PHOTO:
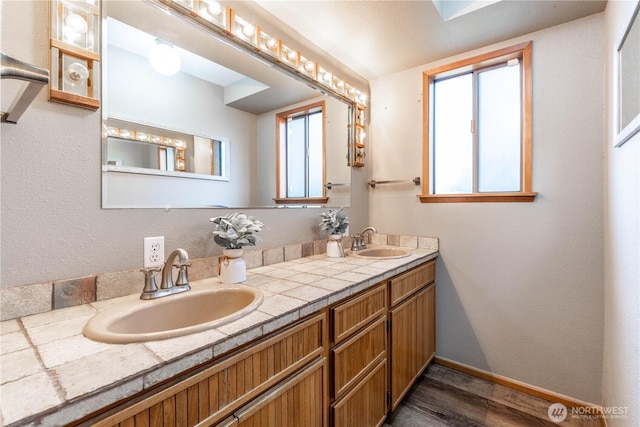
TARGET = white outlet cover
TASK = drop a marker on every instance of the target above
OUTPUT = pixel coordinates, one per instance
(153, 251)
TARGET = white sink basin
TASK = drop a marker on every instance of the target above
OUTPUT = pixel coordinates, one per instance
(207, 305)
(380, 252)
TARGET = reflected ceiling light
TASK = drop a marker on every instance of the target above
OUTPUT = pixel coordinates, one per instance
(164, 58)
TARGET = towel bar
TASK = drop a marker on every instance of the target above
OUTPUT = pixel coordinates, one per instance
(35, 77)
(415, 181)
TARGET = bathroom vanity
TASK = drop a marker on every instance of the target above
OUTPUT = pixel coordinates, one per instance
(342, 357)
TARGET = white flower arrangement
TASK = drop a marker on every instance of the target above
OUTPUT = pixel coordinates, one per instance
(334, 221)
(236, 230)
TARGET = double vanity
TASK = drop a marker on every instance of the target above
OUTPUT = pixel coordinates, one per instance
(309, 341)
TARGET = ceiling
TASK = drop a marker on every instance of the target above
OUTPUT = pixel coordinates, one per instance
(377, 38)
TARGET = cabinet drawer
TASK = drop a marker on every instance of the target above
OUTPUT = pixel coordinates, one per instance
(352, 315)
(407, 283)
(209, 396)
(353, 358)
(365, 405)
(296, 402)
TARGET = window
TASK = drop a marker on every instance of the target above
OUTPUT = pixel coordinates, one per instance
(300, 162)
(477, 120)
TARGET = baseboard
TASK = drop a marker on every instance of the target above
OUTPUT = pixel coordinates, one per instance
(567, 401)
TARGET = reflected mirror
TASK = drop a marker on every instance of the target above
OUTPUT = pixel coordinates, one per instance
(204, 134)
(144, 149)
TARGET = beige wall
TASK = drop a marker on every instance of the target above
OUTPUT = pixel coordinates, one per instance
(52, 225)
(520, 285)
(621, 368)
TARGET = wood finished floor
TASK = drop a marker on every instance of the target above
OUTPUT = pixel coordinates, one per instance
(446, 397)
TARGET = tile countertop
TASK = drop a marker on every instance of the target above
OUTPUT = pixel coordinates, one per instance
(51, 374)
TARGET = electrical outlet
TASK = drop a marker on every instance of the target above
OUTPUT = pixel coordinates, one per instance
(154, 251)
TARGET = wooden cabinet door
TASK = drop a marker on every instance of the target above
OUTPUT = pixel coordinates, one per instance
(366, 404)
(402, 348)
(298, 401)
(426, 327)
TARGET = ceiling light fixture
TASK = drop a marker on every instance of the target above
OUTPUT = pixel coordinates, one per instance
(164, 58)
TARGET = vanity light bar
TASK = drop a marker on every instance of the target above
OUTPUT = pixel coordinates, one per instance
(136, 135)
(225, 22)
(74, 44)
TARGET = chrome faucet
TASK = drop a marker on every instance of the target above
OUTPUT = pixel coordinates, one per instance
(167, 287)
(357, 241)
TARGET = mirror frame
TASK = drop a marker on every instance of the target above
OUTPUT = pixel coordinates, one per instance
(623, 134)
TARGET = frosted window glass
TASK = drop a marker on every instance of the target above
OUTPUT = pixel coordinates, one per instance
(499, 129)
(453, 142)
(296, 157)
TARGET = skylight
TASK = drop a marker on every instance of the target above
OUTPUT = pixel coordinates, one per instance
(450, 9)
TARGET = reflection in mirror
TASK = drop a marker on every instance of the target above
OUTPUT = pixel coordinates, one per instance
(136, 148)
(221, 94)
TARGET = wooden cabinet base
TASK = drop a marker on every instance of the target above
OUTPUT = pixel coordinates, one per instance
(346, 365)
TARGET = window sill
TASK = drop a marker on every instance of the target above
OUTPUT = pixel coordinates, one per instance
(478, 197)
(302, 201)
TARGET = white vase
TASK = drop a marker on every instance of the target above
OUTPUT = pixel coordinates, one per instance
(334, 246)
(233, 268)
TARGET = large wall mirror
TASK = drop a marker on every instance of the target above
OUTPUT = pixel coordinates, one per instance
(205, 135)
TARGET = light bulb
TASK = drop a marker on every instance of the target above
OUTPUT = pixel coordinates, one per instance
(75, 23)
(248, 30)
(164, 58)
(272, 43)
(292, 55)
(309, 66)
(76, 74)
(214, 8)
